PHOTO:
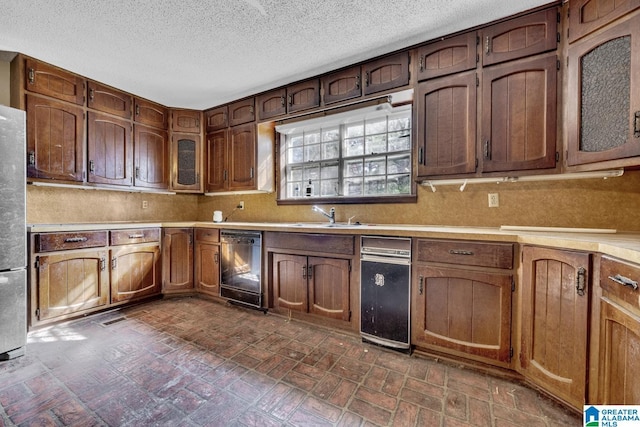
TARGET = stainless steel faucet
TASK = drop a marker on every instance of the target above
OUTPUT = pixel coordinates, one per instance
(331, 215)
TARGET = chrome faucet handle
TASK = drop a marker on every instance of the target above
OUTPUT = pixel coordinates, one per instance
(350, 218)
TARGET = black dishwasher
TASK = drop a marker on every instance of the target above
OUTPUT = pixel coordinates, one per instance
(385, 281)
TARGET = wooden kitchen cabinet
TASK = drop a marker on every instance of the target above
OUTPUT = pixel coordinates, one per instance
(446, 127)
(555, 299)
(290, 288)
(55, 139)
(136, 264)
(519, 115)
(619, 334)
(342, 85)
(216, 166)
(186, 162)
(177, 260)
(520, 37)
(207, 261)
(448, 56)
(586, 16)
(186, 121)
(109, 100)
(52, 81)
(242, 112)
(462, 299)
(150, 157)
(303, 96)
(603, 102)
(216, 118)
(389, 72)
(151, 114)
(109, 150)
(272, 104)
(231, 159)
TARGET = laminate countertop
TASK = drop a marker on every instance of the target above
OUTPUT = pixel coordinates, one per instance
(623, 245)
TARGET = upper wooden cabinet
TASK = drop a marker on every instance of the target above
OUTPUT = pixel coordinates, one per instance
(242, 112)
(106, 99)
(603, 102)
(216, 118)
(448, 56)
(48, 80)
(186, 161)
(55, 139)
(216, 157)
(242, 157)
(151, 114)
(520, 37)
(586, 16)
(151, 157)
(186, 121)
(342, 85)
(272, 104)
(386, 73)
(109, 150)
(519, 115)
(304, 95)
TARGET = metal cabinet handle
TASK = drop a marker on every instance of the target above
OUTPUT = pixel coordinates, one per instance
(421, 156)
(31, 76)
(137, 110)
(366, 79)
(421, 63)
(290, 100)
(487, 45)
(137, 172)
(216, 258)
(251, 173)
(636, 124)
(224, 175)
(103, 263)
(310, 271)
(92, 166)
(460, 252)
(581, 281)
(357, 82)
(114, 263)
(283, 101)
(624, 281)
(421, 285)
(91, 95)
(75, 239)
(304, 271)
(487, 149)
(32, 158)
(136, 236)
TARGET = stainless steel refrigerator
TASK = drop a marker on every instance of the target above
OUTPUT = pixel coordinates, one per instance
(13, 234)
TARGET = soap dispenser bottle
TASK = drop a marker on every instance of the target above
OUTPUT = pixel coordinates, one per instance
(308, 189)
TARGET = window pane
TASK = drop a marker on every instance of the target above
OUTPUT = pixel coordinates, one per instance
(376, 144)
(296, 155)
(353, 187)
(376, 126)
(311, 173)
(400, 141)
(330, 150)
(375, 166)
(312, 153)
(353, 168)
(329, 187)
(295, 174)
(399, 184)
(399, 123)
(331, 134)
(330, 171)
(399, 164)
(373, 186)
(311, 138)
(353, 147)
(294, 141)
(355, 130)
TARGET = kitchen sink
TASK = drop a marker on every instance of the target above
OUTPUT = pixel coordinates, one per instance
(323, 224)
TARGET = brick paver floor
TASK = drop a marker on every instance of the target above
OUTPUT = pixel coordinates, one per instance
(193, 362)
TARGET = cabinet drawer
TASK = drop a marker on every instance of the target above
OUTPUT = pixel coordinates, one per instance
(482, 254)
(211, 235)
(135, 235)
(326, 243)
(621, 280)
(49, 242)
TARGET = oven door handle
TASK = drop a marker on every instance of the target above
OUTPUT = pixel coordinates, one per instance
(385, 260)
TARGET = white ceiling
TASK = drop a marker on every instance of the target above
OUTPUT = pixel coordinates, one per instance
(202, 53)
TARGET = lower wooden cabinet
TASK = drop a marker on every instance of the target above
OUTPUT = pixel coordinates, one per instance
(70, 282)
(135, 272)
(315, 285)
(177, 256)
(555, 321)
(207, 261)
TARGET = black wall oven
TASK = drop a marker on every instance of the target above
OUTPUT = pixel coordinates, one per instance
(241, 266)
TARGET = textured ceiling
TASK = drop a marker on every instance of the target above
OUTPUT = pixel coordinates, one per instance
(202, 53)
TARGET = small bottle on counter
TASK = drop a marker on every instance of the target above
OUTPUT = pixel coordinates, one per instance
(309, 189)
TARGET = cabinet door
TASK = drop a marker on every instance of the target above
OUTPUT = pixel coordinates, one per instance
(151, 157)
(303, 96)
(108, 100)
(329, 287)
(586, 16)
(290, 282)
(520, 37)
(135, 272)
(151, 114)
(186, 121)
(186, 158)
(216, 172)
(619, 348)
(448, 56)
(519, 115)
(177, 259)
(341, 85)
(55, 135)
(603, 102)
(386, 73)
(109, 150)
(48, 80)
(555, 314)
(217, 118)
(446, 130)
(463, 310)
(242, 112)
(272, 104)
(242, 157)
(207, 268)
(71, 282)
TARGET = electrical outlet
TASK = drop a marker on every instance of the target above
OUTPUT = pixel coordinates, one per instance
(241, 205)
(494, 200)
(145, 204)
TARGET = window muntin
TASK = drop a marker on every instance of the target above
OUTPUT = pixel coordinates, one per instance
(365, 153)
